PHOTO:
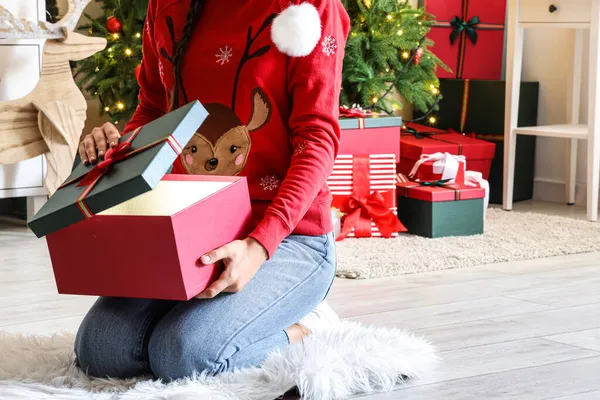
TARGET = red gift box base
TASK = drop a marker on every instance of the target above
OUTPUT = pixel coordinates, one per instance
(151, 256)
(479, 153)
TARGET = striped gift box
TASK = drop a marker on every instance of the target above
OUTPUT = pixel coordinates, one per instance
(382, 179)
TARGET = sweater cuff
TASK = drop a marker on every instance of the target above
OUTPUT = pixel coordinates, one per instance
(270, 232)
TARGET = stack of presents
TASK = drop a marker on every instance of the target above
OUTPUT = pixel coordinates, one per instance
(438, 178)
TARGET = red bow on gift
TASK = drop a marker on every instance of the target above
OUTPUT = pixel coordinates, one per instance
(361, 211)
(354, 112)
(113, 155)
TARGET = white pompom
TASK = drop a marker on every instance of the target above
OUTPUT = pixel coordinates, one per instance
(297, 30)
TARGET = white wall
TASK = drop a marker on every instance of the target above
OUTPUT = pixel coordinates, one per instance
(548, 58)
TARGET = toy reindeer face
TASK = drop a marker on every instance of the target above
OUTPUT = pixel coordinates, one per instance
(222, 144)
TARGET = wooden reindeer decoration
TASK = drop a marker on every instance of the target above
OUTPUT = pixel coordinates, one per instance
(50, 119)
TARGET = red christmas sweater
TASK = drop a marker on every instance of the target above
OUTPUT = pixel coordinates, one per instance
(270, 78)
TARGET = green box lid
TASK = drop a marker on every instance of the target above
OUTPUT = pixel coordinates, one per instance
(126, 179)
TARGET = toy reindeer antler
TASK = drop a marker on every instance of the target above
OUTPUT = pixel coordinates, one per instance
(12, 27)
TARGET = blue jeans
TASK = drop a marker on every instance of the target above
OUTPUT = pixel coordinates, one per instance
(121, 337)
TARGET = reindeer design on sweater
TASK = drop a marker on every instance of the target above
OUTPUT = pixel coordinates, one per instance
(222, 144)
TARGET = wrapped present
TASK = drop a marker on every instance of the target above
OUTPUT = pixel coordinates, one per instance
(364, 132)
(418, 140)
(437, 208)
(336, 218)
(468, 37)
(363, 188)
(477, 109)
(439, 166)
(123, 228)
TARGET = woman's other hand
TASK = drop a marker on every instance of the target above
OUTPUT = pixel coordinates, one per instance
(95, 145)
(242, 259)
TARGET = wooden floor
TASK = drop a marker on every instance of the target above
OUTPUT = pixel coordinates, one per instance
(524, 330)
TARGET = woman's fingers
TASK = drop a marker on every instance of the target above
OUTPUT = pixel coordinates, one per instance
(96, 144)
(90, 149)
(83, 153)
(217, 287)
(216, 255)
(112, 134)
(100, 139)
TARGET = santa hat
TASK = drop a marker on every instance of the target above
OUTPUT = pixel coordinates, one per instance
(296, 31)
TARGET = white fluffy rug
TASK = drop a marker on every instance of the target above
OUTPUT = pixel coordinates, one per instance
(347, 360)
(509, 236)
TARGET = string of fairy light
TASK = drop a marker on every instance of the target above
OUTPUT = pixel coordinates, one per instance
(127, 52)
(408, 57)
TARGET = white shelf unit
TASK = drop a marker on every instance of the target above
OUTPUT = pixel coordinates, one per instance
(556, 14)
(20, 68)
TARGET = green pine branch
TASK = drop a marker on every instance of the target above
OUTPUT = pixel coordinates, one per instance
(110, 75)
(379, 56)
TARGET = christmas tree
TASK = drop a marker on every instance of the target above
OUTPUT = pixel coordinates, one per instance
(110, 75)
(51, 11)
(387, 52)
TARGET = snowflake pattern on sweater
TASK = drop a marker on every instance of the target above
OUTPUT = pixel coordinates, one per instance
(329, 45)
(269, 183)
(224, 55)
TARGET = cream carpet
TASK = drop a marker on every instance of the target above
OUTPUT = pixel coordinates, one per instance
(345, 360)
(509, 236)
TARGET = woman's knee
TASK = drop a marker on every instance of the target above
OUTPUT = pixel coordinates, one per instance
(176, 354)
(106, 348)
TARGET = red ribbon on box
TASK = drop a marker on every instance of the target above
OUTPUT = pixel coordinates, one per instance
(113, 156)
(466, 21)
(356, 112)
(362, 206)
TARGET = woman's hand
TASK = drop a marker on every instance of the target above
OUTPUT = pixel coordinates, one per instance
(94, 145)
(242, 259)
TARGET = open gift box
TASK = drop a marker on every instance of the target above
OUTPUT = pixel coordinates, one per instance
(123, 228)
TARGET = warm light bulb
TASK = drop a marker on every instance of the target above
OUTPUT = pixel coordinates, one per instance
(107, 109)
(128, 52)
(375, 99)
(389, 17)
(138, 35)
(432, 86)
(120, 106)
(420, 23)
(97, 69)
(95, 93)
(400, 32)
(435, 91)
(110, 49)
(116, 122)
(432, 120)
(387, 70)
(115, 36)
(405, 54)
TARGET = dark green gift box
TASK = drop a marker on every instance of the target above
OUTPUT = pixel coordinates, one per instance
(154, 148)
(438, 211)
(477, 107)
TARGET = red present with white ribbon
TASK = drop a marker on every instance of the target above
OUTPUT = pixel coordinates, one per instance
(439, 166)
(364, 190)
(475, 179)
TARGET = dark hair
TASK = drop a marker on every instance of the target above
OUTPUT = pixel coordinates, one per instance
(193, 16)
